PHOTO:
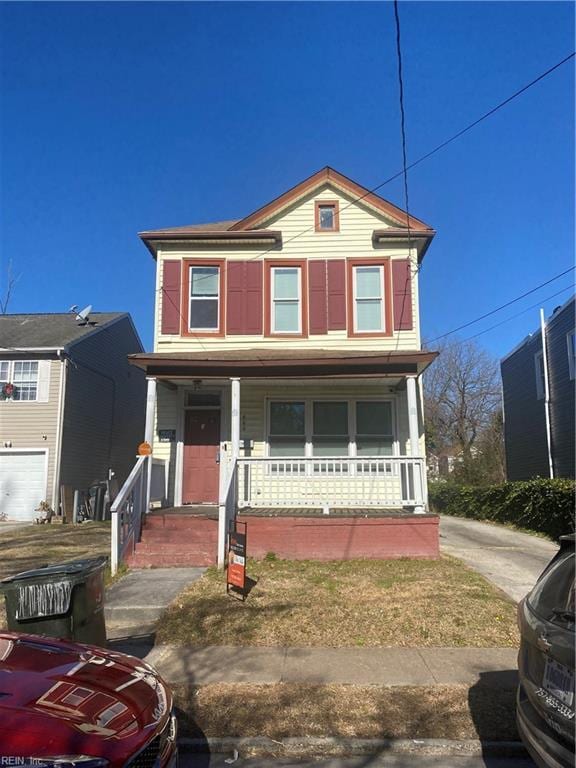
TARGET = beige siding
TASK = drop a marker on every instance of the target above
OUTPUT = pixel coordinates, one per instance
(33, 424)
(253, 415)
(300, 241)
(105, 407)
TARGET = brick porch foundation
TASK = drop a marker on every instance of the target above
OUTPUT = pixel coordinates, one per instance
(343, 538)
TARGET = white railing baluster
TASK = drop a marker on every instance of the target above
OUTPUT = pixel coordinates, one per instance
(128, 511)
(311, 481)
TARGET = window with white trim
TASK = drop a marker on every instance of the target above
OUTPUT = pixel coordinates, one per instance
(286, 300)
(204, 309)
(23, 374)
(374, 431)
(330, 431)
(539, 372)
(287, 429)
(331, 428)
(571, 344)
(368, 298)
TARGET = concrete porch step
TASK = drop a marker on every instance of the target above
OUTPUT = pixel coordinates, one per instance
(187, 536)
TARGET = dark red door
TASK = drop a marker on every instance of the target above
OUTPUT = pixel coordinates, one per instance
(201, 449)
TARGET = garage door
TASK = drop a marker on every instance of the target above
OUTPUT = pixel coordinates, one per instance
(22, 483)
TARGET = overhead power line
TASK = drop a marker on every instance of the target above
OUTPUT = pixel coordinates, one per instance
(433, 151)
(503, 306)
(522, 312)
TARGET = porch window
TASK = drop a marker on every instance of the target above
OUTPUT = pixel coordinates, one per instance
(368, 299)
(286, 300)
(204, 298)
(374, 429)
(330, 429)
(287, 429)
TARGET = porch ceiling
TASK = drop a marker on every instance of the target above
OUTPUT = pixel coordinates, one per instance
(267, 363)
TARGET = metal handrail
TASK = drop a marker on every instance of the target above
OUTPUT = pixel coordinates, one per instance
(127, 512)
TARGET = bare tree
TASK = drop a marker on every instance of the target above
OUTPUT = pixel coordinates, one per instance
(462, 394)
(11, 280)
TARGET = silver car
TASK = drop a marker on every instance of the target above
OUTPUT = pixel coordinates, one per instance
(545, 703)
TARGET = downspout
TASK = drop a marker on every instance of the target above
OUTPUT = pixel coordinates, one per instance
(546, 392)
(59, 430)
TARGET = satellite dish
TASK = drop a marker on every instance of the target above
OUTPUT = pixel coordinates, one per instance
(83, 316)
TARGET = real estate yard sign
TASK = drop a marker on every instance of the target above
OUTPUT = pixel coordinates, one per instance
(236, 566)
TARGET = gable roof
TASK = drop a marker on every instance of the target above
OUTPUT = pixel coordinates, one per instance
(337, 180)
(250, 228)
(49, 331)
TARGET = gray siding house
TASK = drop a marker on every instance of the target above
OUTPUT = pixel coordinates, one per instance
(538, 399)
(71, 407)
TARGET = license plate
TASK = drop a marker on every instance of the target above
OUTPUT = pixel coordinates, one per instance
(559, 681)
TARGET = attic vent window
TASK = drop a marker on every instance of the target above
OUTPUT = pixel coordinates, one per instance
(326, 216)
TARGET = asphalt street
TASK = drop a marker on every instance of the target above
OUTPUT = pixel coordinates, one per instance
(509, 559)
(379, 761)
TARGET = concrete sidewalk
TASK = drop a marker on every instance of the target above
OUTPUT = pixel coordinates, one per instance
(135, 602)
(493, 667)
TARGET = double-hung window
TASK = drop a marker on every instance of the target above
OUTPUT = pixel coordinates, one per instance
(287, 433)
(374, 428)
(23, 374)
(330, 428)
(368, 301)
(204, 300)
(286, 300)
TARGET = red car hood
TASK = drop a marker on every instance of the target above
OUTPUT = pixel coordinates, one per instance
(57, 697)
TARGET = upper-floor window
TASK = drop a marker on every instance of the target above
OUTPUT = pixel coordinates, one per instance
(286, 294)
(539, 371)
(368, 287)
(571, 342)
(286, 299)
(326, 216)
(20, 377)
(204, 298)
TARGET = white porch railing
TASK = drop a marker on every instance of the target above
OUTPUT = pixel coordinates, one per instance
(364, 481)
(127, 512)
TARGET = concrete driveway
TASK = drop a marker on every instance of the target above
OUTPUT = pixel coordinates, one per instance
(509, 559)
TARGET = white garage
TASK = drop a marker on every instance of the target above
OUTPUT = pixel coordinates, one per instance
(23, 476)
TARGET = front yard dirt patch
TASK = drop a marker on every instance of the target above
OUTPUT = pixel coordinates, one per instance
(347, 711)
(386, 603)
(24, 549)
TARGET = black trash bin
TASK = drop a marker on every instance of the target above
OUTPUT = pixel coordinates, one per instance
(64, 600)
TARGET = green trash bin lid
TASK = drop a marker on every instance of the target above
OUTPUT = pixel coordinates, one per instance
(70, 568)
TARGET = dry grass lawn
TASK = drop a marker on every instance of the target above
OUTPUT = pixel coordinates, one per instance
(370, 712)
(408, 603)
(31, 547)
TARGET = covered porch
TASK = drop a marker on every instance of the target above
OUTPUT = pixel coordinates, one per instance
(316, 434)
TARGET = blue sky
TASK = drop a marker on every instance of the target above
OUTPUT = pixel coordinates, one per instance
(119, 117)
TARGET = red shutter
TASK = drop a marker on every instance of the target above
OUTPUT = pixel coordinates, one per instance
(337, 295)
(318, 305)
(170, 296)
(402, 292)
(254, 297)
(244, 298)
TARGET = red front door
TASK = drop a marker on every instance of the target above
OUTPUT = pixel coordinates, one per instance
(201, 448)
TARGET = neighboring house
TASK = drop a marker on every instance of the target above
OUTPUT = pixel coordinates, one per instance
(287, 362)
(71, 406)
(538, 394)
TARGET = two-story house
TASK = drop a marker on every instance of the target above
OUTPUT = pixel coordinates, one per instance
(72, 409)
(285, 377)
(538, 378)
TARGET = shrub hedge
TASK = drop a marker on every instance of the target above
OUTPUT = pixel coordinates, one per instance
(542, 505)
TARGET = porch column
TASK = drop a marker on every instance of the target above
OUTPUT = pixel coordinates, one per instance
(149, 433)
(227, 505)
(415, 442)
